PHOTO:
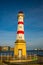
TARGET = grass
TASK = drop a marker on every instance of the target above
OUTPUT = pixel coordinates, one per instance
(34, 58)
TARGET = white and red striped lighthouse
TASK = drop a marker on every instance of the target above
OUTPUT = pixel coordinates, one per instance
(20, 29)
(20, 44)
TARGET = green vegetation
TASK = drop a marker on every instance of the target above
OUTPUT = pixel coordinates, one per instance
(34, 58)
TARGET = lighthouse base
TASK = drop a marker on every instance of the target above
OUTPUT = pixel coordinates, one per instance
(29, 60)
(20, 49)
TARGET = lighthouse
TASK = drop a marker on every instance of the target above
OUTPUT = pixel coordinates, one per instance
(20, 43)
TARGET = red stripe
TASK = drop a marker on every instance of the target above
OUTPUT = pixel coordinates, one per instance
(20, 22)
(20, 32)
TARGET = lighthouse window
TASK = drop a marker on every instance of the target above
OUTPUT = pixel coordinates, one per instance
(20, 18)
(20, 37)
(20, 26)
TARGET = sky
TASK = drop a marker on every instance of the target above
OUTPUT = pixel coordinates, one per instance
(33, 22)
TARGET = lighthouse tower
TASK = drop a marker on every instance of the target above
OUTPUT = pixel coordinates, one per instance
(20, 44)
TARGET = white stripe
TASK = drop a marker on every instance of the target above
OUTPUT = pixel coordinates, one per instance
(20, 37)
(20, 27)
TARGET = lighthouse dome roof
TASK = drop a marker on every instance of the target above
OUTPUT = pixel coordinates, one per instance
(20, 12)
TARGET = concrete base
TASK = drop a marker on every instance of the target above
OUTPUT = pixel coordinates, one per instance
(13, 62)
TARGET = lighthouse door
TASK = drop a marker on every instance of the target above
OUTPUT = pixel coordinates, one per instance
(20, 53)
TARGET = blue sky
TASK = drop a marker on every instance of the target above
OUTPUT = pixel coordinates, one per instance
(33, 21)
